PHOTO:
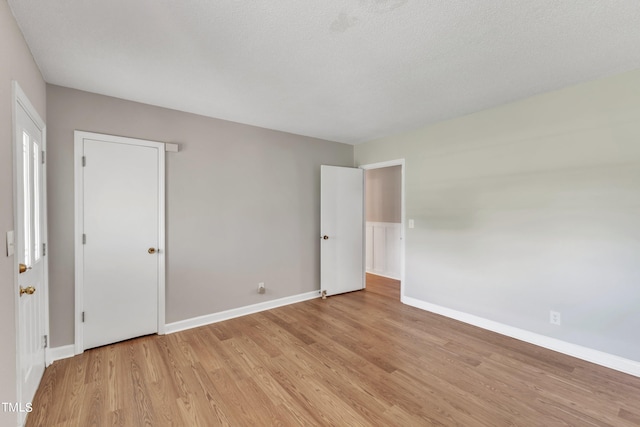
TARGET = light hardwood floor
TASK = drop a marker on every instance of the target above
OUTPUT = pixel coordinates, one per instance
(383, 286)
(361, 358)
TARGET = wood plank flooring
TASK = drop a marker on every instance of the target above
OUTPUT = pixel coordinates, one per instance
(383, 286)
(357, 359)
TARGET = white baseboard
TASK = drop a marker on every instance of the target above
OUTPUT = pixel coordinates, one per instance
(56, 353)
(618, 363)
(237, 312)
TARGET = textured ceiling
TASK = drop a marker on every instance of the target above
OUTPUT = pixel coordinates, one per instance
(342, 70)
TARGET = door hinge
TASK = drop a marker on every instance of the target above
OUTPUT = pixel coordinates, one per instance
(83, 317)
(43, 156)
(84, 239)
(84, 160)
(46, 341)
(44, 249)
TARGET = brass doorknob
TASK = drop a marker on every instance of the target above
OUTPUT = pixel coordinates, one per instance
(325, 237)
(152, 250)
(23, 268)
(28, 290)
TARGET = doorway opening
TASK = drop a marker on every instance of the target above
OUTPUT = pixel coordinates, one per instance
(384, 225)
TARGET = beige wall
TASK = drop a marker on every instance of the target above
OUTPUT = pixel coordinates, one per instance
(17, 64)
(530, 207)
(383, 194)
(242, 205)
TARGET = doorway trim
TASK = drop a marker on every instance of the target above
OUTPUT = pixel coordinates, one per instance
(386, 164)
(79, 137)
(20, 100)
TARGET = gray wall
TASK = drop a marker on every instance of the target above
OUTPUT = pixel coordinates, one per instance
(17, 64)
(242, 205)
(531, 207)
(383, 194)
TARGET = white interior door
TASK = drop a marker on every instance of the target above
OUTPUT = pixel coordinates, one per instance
(121, 244)
(30, 243)
(341, 228)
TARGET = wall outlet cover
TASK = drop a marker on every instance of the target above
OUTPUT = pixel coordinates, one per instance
(555, 318)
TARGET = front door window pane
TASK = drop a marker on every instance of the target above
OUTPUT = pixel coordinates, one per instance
(26, 208)
(37, 165)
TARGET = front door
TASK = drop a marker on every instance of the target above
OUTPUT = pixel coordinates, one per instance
(121, 246)
(341, 229)
(30, 249)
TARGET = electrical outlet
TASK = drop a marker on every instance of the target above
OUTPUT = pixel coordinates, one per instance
(555, 318)
(261, 288)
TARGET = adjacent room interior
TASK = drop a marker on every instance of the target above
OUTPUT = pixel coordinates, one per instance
(491, 277)
(383, 222)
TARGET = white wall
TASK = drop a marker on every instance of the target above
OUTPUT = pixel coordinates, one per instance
(531, 207)
(17, 64)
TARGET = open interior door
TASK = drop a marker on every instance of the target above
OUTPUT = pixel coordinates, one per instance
(341, 229)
